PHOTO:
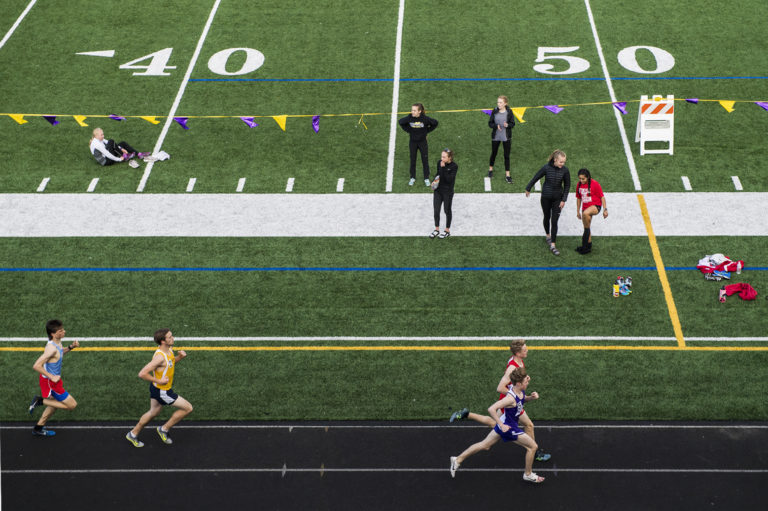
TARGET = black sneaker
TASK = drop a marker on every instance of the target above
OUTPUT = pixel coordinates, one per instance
(509, 179)
(460, 414)
(36, 401)
(542, 456)
(490, 173)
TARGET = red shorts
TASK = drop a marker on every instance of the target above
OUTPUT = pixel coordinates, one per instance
(50, 389)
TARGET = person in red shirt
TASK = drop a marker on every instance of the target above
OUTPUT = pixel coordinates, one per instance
(519, 350)
(589, 201)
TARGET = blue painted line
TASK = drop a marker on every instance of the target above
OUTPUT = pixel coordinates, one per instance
(353, 268)
(531, 79)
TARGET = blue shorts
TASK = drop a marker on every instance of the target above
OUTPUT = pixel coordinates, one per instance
(164, 397)
(511, 435)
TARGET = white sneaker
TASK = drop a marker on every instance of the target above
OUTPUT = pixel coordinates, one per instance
(454, 466)
(410, 183)
(426, 182)
(533, 478)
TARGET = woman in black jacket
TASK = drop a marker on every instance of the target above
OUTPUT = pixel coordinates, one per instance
(554, 193)
(443, 192)
(418, 125)
(501, 122)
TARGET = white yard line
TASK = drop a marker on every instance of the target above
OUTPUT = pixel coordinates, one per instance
(191, 184)
(395, 97)
(169, 120)
(43, 184)
(737, 183)
(340, 185)
(487, 184)
(686, 183)
(289, 184)
(617, 114)
(92, 186)
(17, 23)
(240, 184)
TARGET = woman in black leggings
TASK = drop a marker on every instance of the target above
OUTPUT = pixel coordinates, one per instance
(554, 193)
(443, 195)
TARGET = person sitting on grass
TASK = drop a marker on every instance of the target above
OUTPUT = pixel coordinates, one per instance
(107, 152)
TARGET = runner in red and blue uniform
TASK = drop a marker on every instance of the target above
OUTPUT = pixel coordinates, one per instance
(507, 427)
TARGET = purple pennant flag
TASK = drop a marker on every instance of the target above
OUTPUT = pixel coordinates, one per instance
(762, 104)
(116, 117)
(553, 108)
(621, 106)
(182, 122)
(488, 112)
(51, 119)
(692, 100)
(249, 121)
(316, 123)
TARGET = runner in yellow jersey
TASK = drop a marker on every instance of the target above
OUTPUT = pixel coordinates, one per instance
(159, 373)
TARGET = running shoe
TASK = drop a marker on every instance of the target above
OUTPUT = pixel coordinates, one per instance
(410, 183)
(164, 436)
(458, 415)
(426, 182)
(509, 179)
(490, 173)
(43, 432)
(444, 234)
(434, 234)
(36, 401)
(135, 441)
(533, 478)
(723, 274)
(454, 466)
(710, 276)
(542, 456)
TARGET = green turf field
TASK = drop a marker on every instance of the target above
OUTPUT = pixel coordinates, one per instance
(325, 59)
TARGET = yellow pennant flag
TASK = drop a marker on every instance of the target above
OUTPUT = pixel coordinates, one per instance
(728, 105)
(151, 119)
(18, 118)
(80, 119)
(519, 113)
(280, 120)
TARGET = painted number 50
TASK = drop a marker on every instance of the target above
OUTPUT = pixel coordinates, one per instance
(626, 57)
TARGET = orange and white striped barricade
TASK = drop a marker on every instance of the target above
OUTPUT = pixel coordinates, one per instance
(656, 123)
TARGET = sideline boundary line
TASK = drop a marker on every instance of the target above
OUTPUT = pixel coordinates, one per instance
(400, 348)
(179, 94)
(662, 273)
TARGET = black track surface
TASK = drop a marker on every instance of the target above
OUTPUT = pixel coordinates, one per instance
(371, 466)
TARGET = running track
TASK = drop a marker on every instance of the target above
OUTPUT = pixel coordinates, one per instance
(371, 466)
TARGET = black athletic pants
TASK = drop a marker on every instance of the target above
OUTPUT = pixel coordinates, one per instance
(115, 149)
(495, 151)
(444, 199)
(420, 145)
(551, 209)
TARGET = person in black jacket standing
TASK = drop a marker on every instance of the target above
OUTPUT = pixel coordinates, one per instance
(418, 125)
(501, 122)
(443, 192)
(554, 193)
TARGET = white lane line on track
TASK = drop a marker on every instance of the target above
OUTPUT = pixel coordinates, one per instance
(179, 94)
(380, 470)
(638, 425)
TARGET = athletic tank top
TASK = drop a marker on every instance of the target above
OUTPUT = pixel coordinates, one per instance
(165, 371)
(55, 367)
(511, 415)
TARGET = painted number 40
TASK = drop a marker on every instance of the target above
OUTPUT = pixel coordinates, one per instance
(156, 64)
(626, 57)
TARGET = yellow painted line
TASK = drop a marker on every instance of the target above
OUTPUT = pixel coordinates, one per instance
(662, 273)
(409, 348)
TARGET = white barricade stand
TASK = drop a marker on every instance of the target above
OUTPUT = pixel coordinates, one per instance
(656, 123)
